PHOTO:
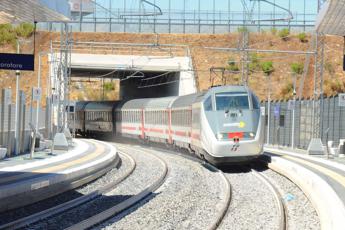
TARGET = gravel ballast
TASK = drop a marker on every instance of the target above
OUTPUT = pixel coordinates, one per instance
(191, 198)
(253, 205)
(147, 170)
(300, 212)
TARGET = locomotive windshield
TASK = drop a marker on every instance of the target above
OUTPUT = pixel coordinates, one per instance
(228, 101)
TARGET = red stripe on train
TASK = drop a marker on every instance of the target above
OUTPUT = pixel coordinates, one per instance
(128, 128)
(236, 135)
(180, 133)
(156, 130)
(196, 136)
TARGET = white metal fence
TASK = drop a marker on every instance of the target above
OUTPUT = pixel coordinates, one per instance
(332, 119)
(7, 127)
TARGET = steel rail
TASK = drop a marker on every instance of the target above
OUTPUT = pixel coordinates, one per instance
(20, 223)
(101, 217)
(277, 196)
(227, 183)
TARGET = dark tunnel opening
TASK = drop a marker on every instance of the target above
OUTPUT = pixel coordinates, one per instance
(136, 84)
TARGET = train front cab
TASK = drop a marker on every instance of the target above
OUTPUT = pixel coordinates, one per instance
(232, 125)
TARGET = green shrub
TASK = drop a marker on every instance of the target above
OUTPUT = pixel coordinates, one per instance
(7, 35)
(24, 30)
(267, 67)
(284, 34)
(297, 68)
(302, 37)
(6, 27)
(254, 62)
(108, 86)
(232, 65)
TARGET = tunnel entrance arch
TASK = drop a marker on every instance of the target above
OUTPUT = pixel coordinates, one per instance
(153, 70)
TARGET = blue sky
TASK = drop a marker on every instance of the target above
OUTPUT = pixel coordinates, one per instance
(310, 6)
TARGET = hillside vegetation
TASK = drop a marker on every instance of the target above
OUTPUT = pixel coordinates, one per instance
(280, 67)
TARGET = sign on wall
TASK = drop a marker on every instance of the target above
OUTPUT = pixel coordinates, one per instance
(276, 111)
(36, 94)
(342, 100)
(17, 61)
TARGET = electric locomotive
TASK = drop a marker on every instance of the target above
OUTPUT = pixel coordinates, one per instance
(221, 125)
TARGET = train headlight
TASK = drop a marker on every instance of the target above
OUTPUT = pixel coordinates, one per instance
(220, 136)
(252, 135)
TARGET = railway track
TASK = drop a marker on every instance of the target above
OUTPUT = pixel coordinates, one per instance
(101, 217)
(36, 217)
(184, 162)
(121, 196)
(249, 197)
(278, 199)
(255, 200)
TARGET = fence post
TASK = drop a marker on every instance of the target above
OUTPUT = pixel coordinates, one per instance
(48, 117)
(22, 135)
(20, 114)
(2, 122)
(9, 139)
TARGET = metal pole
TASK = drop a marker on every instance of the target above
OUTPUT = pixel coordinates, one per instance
(110, 15)
(94, 17)
(293, 114)
(125, 12)
(140, 17)
(214, 16)
(229, 18)
(38, 86)
(80, 15)
(304, 12)
(65, 76)
(2, 122)
(269, 109)
(184, 16)
(259, 15)
(289, 22)
(154, 17)
(16, 123)
(199, 17)
(9, 139)
(22, 139)
(274, 14)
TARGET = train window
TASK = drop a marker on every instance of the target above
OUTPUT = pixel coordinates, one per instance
(225, 101)
(208, 104)
(256, 104)
(281, 120)
(266, 119)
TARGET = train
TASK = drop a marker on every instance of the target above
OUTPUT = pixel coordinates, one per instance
(222, 125)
